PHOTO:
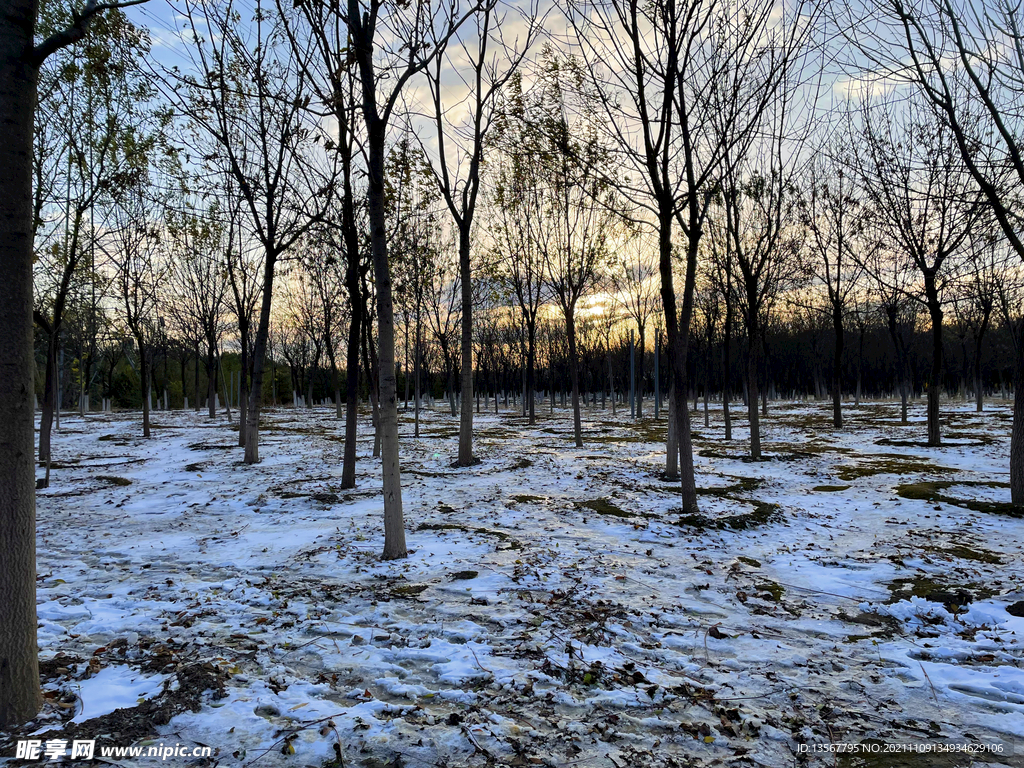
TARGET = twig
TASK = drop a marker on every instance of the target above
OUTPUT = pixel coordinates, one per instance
(485, 669)
(934, 696)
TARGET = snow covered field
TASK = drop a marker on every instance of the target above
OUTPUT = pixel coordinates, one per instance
(554, 610)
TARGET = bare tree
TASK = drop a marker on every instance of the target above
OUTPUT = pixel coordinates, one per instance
(760, 208)
(483, 60)
(831, 213)
(247, 99)
(95, 105)
(576, 216)
(316, 31)
(683, 81)
(925, 204)
(968, 61)
(135, 252)
(413, 33)
(518, 256)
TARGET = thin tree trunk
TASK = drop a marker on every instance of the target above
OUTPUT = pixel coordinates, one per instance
(348, 470)
(531, 372)
(259, 353)
(837, 368)
(394, 521)
(211, 381)
(671, 443)
(242, 387)
(753, 397)
(935, 385)
(726, 369)
(678, 332)
(641, 346)
(144, 375)
(465, 458)
(49, 396)
(574, 377)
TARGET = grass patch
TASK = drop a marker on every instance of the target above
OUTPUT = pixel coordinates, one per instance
(829, 488)
(499, 535)
(604, 507)
(749, 561)
(463, 575)
(526, 498)
(742, 484)
(764, 513)
(882, 626)
(936, 590)
(114, 479)
(771, 588)
(889, 464)
(932, 492)
(714, 453)
(967, 553)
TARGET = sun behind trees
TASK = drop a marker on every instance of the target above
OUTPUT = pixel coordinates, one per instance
(318, 205)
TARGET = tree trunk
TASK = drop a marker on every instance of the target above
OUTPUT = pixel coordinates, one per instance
(259, 353)
(574, 376)
(935, 384)
(678, 333)
(641, 346)
(49, 391)
(211, 380)
(348, 469)
(243, 390)
(394, 522)
(145, 377)
(531, 370)
(20, 698)
(671, 443)
(416, 396)
(726, 366)
(752, 397)
(465, 458)
(837, 368)
(195, 381)
(979, 384)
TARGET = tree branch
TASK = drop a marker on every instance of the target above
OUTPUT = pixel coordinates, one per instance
(76, 31)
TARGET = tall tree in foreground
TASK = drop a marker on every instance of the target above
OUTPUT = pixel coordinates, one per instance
(20, 60)
(409, 36)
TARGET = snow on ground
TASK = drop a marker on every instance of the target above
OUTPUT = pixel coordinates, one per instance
(555, 608)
